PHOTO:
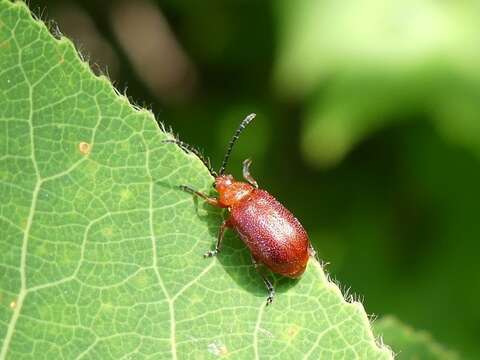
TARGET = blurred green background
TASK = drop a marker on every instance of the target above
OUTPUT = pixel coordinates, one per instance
(368, 126)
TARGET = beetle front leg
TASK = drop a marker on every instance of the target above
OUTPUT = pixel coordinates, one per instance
(268, 284)
(218, 246)
(208, 199)
(246, 173)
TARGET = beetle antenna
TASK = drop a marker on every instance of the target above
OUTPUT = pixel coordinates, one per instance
(234, 139)
(189, 148)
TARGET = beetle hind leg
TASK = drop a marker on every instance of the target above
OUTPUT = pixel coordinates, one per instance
(271, 290)
(268, 284)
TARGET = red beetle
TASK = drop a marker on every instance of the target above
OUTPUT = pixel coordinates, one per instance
(274, 236)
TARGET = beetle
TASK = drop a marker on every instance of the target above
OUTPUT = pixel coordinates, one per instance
(275, 238)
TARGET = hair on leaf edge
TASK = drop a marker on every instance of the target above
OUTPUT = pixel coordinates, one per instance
(355, 300)
(39, 17)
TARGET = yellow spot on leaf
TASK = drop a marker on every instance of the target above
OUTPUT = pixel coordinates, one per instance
(84, 148)
(125, 194)
(107, 231)
(125, 146)
(142, 280)
(42, 250)
(291, 332)
(195, 299)
(13, 305)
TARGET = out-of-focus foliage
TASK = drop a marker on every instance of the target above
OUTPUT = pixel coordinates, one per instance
(365, 64)
(410, 344)
(384, 93)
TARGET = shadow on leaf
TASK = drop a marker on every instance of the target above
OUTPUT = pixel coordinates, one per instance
(235, 256)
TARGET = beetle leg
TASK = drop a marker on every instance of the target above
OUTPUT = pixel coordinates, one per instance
(218, 246)
(268, 284)
(246, 173)
(208, 199)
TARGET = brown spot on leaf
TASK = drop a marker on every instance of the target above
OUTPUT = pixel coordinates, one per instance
(84, 148)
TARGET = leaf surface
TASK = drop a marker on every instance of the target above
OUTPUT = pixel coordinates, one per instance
(101, 253)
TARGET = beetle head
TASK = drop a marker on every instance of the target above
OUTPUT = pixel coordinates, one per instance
(223, 182)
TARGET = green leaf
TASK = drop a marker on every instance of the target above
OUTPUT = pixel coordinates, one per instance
(101, 253)
(409, 343)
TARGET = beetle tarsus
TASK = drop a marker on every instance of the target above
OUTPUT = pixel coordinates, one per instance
(211, 253)
(270, 298)
(191, 190)
(268, 284)
(271, 291)
(218, 246)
